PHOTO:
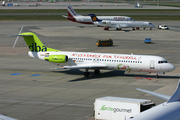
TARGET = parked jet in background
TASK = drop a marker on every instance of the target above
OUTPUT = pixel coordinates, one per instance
(120, 24)
(166, 111)
(73, 16)
(95, 61)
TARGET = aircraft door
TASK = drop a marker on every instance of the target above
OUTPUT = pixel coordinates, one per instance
(152, 64)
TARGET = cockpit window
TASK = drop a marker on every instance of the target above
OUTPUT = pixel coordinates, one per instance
(150, 23)
(160, 62)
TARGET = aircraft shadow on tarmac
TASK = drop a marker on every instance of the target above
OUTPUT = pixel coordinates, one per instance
(111, 74)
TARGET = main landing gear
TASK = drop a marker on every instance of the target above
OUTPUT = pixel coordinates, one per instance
(157, 76)
(118, 28)
(96, 72)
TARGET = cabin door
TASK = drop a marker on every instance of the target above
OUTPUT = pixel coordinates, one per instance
(152, 64)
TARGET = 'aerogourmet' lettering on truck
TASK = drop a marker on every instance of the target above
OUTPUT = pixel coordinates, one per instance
(104, 108)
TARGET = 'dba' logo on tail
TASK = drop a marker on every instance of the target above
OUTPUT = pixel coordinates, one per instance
(36, 48)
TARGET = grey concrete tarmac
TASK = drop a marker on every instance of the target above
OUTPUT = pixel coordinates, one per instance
(30, 90)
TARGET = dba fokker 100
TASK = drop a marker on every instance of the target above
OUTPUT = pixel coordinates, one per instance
(96, 61)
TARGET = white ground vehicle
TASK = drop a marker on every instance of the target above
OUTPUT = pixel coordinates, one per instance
(138, 5)
(117, 108)
(164, 27)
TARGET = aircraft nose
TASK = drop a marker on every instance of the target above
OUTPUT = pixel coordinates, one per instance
(171, 67)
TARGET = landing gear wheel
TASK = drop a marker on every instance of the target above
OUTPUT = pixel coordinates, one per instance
(157, 76)
(86, 74)
(150, 28)
(96, 72)
(106, 28)
(133, 29)
(144, 28)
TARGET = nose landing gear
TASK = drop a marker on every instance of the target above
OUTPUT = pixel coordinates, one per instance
(157, 76)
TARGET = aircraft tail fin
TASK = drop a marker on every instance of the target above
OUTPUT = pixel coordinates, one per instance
(176, 95)
(34, 43)
(94, 18)
(71, 11)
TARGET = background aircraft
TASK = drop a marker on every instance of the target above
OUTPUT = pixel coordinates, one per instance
(95, 61)
(73, 16)
(120, 24)
(166, 111)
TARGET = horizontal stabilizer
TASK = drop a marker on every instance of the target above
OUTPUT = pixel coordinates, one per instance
(64, 16)
(164, 97)
(20, 35)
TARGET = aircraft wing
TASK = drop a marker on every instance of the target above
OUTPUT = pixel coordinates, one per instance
(3, 117)
(84, 66)
(162, 96)
(123, 25)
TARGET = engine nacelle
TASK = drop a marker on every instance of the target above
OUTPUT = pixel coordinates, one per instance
(57, 58)
(106, 22)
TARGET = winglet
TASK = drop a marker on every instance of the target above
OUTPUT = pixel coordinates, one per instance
(176, 95)
(94, 18)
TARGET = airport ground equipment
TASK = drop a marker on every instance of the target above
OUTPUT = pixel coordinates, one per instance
(163, 27)
(108, 42)
(147, 40)
(117, 108)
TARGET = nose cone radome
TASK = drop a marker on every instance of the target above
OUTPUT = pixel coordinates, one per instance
(170, 67)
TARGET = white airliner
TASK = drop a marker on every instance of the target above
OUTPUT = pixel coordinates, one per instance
(73, 16)
(95, 61)
(120, 24)
(166, 111)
